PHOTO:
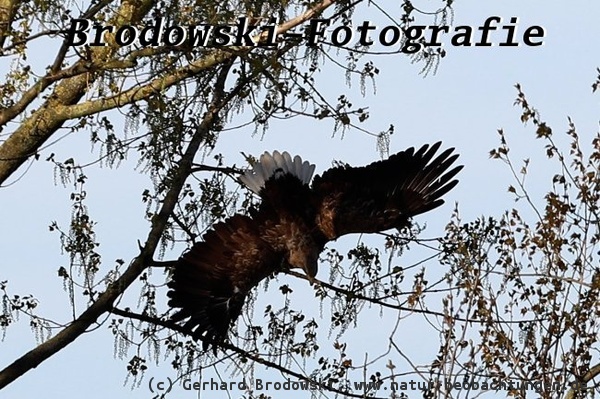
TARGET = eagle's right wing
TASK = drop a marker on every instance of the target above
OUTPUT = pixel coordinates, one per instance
(211, 280)
(384, 194)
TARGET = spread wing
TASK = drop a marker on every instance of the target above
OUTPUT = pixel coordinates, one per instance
(384, 194)
(211, 280)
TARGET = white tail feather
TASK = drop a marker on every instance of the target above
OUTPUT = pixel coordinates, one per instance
(308, 172)
(267, 163)
(297, 166)
(279, 162)
(251, 182)
(288, 161)
(276, 165)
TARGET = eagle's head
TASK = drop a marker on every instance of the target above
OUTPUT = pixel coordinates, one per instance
(305, 255)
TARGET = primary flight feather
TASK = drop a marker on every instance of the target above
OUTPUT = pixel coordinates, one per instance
(293, 223)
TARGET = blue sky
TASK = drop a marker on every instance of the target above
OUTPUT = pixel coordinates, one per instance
(463, 104)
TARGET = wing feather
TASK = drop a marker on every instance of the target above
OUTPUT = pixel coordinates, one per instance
(210, 281)
(384, 194)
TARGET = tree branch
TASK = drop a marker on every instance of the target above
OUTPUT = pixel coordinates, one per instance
(105, 300)
(379, 302)
(163, 83)
(62, 105)
(581, 385)
(33, 132)
(8, 9)
(222, 169)
(237, 350)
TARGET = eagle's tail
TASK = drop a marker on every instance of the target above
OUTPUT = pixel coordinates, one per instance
(276, 165)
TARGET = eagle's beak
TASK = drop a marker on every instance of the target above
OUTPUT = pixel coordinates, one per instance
(311, 271)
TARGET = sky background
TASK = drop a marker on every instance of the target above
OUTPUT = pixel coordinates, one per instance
(463, 104)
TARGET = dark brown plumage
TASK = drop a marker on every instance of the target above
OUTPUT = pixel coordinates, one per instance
(294, 222)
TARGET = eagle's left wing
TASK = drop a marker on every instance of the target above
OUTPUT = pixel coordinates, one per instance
(210, 281)
(384, 194)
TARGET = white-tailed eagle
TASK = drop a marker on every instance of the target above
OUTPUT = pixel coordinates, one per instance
(293, 223)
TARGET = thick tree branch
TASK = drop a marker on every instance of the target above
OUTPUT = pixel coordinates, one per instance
(79, 68)
(62, 105)
(163, 83)
(7, 14)
(105, 301)
(42, 84)
(580, 387)
(33, 132)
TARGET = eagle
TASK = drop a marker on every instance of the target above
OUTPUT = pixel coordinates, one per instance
(292, 224)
